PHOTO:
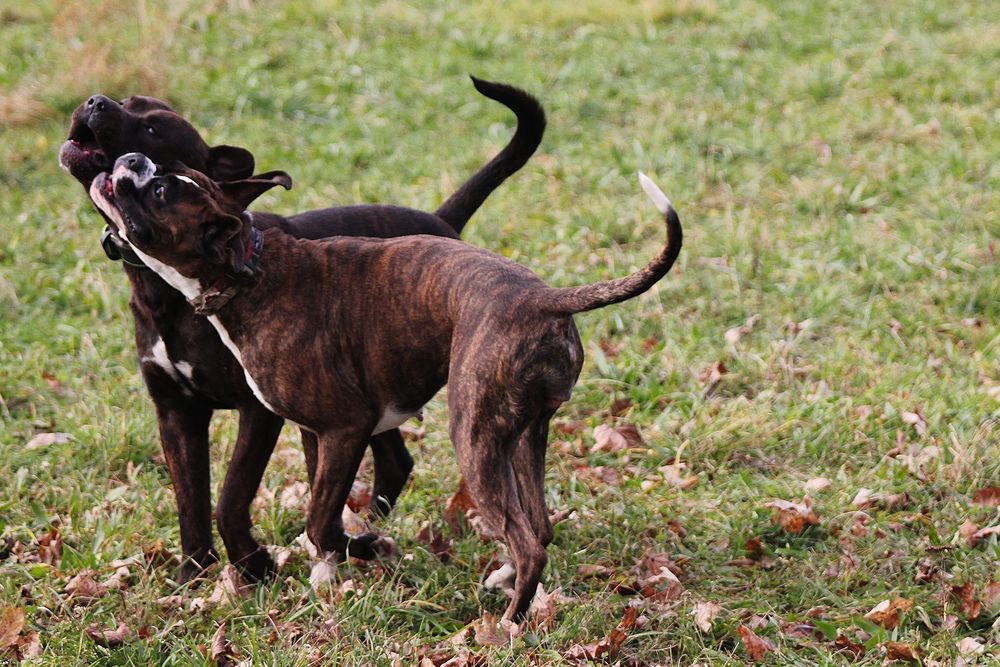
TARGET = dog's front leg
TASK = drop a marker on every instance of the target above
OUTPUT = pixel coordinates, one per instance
(338, 456)
(183, 426)
(393, 465)
(259, 429)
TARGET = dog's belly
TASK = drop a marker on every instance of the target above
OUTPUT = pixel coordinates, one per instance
(391, 418)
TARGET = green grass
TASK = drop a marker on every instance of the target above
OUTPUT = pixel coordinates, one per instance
(836, 164)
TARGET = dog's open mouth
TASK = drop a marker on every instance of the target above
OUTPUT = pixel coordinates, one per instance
(84, 140)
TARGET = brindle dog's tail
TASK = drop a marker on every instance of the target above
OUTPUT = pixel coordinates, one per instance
(459, 207)
(607, 292)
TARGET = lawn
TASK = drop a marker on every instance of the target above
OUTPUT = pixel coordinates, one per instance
(788, 452)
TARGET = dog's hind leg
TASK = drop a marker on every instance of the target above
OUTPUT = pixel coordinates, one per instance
(484, 441)
(393, 465)
(529, 470)
(259, 429)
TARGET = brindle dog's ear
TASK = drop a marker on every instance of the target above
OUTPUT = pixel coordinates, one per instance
(245, 191)
(219, 242)
(229, 163)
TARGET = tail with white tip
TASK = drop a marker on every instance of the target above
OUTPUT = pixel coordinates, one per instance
(607, 292)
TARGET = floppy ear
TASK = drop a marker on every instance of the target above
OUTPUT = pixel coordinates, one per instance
(245, 191)
(219, 242)
(229, 163)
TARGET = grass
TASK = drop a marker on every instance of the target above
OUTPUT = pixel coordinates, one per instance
(836, 164)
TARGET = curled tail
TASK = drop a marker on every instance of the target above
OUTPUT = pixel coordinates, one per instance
(459, 207)
(607, 292)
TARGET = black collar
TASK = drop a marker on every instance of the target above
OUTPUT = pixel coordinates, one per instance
(118, 251)
(212, 299)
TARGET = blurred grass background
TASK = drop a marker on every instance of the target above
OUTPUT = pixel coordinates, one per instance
(834, 163)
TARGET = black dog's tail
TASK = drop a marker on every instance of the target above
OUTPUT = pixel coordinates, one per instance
(588, 297)
(459, 207)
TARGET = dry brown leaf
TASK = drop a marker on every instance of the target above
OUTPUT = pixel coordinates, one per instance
(674, 475)
(794, 517)
(293, 495)
(109, 638)
(435, 541)
(458, 505)
(711, 376)
(866, 498)
(845, 645)
(589, 570)
(887, 612)
(757, 647)
(360, 497)
(704, 613)
(967, 531)
(543, 605)
(898, 651)
(488, 632)
(985, 532)
(83, 589)
(916, 420)
(967, 602)
(817, 484)
(222, 652)
(614, 439)
(969, 647)
(43, 440)
(50, 547)
(989, 496)
(11, 624)
(733, 336)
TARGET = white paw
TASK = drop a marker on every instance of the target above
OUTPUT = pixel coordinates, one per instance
(324, 572)
(502, 578)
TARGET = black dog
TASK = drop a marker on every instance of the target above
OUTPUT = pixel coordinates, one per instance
(188, 372)
(325, 333)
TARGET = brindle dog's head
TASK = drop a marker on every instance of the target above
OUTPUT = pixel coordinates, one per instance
(102, 130)
(179, 217)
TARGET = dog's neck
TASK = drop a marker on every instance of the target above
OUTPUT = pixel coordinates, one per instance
(221, 290)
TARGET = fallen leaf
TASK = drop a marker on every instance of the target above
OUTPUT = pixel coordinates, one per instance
(83, 589)
(845, 645)
(588, 570)
(898, 651)
(794, 517)
(434, 540)
(360, 497)
(967, 602)
(109, 638)
(458, 505)
(866, 498)
(704, 613)
(29, 646)
(887, 612)
(969, 647)
(222, 652)
(733, 336)
(989, 497)
(50, 547)
(674, 475)
(11, 623)
(293, 495)
(45, 439)
(967, 531)
(817, 484)
(543, 605)
(916, 420)
(711, 376)
(488, 632)
(614, 439)
(757, 647)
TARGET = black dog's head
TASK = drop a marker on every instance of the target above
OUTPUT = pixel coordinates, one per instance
(103, 130)
(180, 217)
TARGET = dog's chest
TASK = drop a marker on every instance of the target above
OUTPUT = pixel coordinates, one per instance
(180, 371)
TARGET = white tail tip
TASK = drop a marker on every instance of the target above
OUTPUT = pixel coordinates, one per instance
(655, 193)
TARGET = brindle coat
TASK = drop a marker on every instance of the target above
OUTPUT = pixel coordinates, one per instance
(325, 333)
(187, 370)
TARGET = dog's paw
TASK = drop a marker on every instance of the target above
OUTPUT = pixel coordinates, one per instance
(370, 546)
(193, 569)
(258, 566)
(501, 578)
(324, 572)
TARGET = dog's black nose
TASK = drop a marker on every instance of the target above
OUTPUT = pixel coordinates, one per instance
(98, 103)
(132, 161)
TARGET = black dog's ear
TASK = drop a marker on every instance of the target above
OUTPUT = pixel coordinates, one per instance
(245, 191)
(229, 163)
(219, 242)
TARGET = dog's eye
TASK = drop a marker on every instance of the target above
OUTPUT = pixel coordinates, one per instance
(151, 130)
(159, 191)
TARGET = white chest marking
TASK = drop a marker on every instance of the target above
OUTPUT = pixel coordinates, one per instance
(161, 358)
